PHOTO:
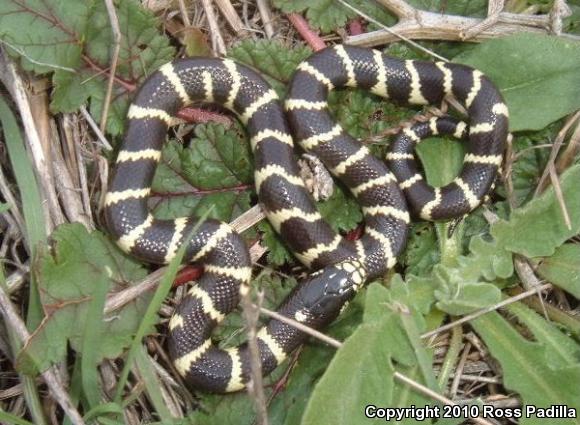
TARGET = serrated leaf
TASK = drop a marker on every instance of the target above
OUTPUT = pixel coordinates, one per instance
(215, 171)
(563, 268)
(278, 254)
(548, 80)
(341, 211)
(421, 253)
(273, 59)
(487, 259)
(80, 259)
(43, 31)
(525, 370)
(538, 228)
(328, 15)
(362, 114)
(78, 36)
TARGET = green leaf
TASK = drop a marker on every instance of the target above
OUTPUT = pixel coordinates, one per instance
(44, 32)
(527, 170)
(214, 172)
(92, 339)
(152, 383)
(273, 59)
(463, 298)
(525, 370)
(538, 228)
(328, 15)
(548, 80)
(370, 382)
(341, 210)
(67, 280)
(561, 349)
(78, 36)
(442, 159)
(563, 268)
(278, 254)
(421, 253)
(487, 259)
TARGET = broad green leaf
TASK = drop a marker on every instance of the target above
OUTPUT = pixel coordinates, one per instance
(74, 39)
(466, 298)
(561, 349)
(525, 370)
(370, 382)
(44, 34)
(539, 88)
(67, 279)
(487, 259)
(538, 228)
(442, 160)
(563, 268)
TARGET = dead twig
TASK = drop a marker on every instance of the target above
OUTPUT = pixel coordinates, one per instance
(266, 15)
(229, 13)
(255, 388)
(481, 312)
(114, 21)
(217, 40)
(566, 158)
(415, 24)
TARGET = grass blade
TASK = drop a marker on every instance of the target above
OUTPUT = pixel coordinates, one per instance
(30, 198)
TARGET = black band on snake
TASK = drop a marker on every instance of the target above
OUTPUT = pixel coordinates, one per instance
(341, 267)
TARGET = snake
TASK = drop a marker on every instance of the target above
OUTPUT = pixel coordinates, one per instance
(389, 191)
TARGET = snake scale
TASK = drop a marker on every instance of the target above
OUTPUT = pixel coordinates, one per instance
(340, 267)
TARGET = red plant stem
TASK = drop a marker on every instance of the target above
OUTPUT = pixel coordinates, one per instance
(197, 115)
(303, 28)
(187, 274)
(125, 84)
(355, 233)
(237, 188)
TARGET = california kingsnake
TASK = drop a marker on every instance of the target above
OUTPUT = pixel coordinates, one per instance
(342, 266)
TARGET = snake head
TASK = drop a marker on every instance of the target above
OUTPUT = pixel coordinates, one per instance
(329, 289)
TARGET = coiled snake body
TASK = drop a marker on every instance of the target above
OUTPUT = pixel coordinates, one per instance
(341, 266)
